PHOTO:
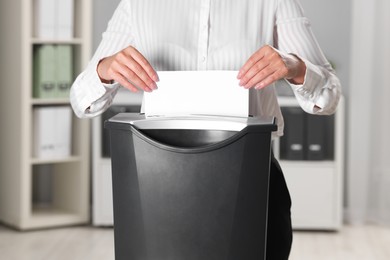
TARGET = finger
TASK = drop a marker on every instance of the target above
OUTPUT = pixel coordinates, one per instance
(258, 55)
(137, 56)
(249, 76)
(124, 82)
(275, 65)
(134, 72)
(250, 63)
(135, 80)
(260, 76)
(131, 70)
(271, 78)
(266, 82)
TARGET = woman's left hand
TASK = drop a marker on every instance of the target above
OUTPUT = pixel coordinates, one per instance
(268, 65)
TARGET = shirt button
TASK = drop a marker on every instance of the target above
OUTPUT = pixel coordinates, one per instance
(203, 58)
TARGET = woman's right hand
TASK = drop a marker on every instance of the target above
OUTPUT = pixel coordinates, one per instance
(130, 69)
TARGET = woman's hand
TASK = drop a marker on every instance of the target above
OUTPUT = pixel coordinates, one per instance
(130, 69)
(268, 65)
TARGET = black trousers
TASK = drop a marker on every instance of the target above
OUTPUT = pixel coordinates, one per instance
(279, 231)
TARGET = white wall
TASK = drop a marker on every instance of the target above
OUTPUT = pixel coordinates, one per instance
(331, 23)
(369, 140)
(102, 12)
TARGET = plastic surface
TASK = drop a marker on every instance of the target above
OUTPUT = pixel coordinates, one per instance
(176, 199)
(198, 122)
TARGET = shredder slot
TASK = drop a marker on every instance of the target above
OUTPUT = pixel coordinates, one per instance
(187, 138)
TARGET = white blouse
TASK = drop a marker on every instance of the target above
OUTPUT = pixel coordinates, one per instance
(212, 35)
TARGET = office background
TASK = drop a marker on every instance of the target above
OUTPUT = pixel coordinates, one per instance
(345, 31)
(354, 36)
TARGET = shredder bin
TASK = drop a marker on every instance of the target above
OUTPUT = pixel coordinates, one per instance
(191, 187)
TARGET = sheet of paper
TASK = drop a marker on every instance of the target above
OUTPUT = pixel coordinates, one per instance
(197, 93)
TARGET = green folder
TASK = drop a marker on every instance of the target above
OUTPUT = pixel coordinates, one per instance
(44, 72)
(64, 66)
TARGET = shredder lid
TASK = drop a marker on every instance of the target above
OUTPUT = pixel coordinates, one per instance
(193, 122)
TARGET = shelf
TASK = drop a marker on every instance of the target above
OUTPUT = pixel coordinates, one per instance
(325, 164)
(57, 194)
(70, 159)
(74, 41)
(50, 101)
(41, 193)
(316, 186)
(45, 217)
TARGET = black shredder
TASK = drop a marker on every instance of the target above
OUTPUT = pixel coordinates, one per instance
(190, 187)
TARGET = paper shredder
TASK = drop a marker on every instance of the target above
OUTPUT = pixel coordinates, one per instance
(190, 187)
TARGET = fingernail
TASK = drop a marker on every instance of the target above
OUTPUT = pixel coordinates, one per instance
(239, 75)
(153, 85)
(259, 86)
(156, 78)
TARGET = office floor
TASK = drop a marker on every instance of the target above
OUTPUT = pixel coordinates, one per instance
(88, 243)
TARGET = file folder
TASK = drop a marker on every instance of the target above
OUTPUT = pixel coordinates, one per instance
(45, 19)
(52, 132)
(64, 19)
(320, 136)
(292, 144)
(44, 72)
(64, 67)
(54, 19)
(306, 136)
(63, 129)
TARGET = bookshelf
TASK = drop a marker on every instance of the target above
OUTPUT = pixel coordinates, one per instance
(316, 186)
(102, 211)
(65, 181)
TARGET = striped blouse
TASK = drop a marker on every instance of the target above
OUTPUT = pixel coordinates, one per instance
(212, 35)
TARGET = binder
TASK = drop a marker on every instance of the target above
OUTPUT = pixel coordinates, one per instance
(44, 72)
(52, 132)
(63, 126)
(306, 136)
(45, 19)
(64, 67)
(320, 135)
(54, 19)
(292, 144)
(44, 139)
(64, 19)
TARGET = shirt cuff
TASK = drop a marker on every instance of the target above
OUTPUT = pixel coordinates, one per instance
(88, 91)
(310, 90)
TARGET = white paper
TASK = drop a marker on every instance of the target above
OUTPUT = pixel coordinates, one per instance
(197, 93)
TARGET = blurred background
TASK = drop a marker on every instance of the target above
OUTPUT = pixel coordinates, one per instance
(55, 194)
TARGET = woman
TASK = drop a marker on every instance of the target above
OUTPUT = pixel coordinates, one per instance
(268, 41)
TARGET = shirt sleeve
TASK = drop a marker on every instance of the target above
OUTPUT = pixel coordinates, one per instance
(90, 97)
(321, 90)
